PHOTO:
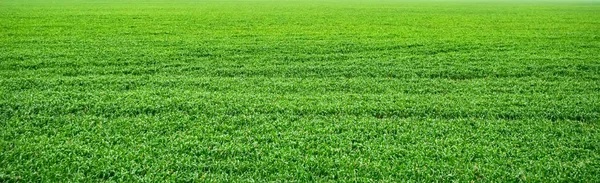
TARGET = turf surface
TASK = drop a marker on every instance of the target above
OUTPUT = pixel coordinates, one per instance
(299, 91)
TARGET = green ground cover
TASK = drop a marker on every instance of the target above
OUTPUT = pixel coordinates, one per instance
(299, 91)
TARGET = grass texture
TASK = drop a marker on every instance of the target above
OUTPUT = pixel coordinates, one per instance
(301, 91)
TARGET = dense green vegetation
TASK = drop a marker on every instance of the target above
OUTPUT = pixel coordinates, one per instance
(299, 91)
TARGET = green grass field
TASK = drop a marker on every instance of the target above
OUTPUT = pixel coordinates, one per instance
(300, 91)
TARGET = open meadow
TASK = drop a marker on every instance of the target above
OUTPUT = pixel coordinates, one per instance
(299, 91)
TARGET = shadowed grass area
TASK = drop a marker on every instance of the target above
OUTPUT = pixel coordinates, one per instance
(236, 91)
